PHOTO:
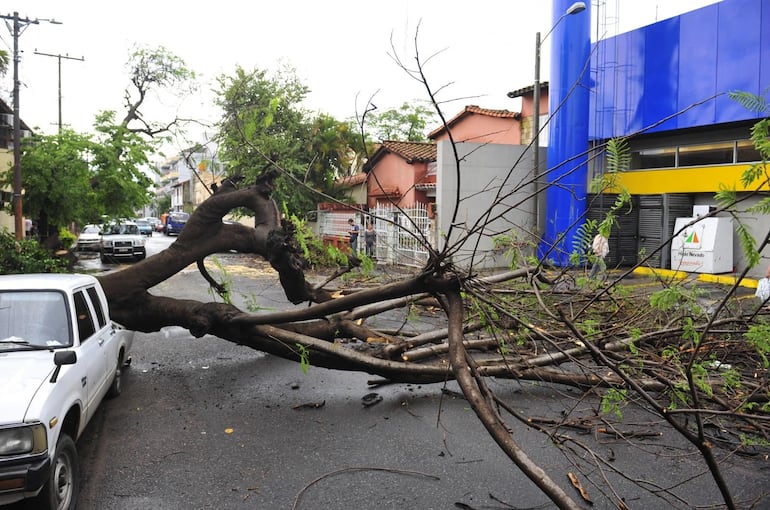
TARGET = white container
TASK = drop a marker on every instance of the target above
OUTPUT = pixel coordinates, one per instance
(703, 247)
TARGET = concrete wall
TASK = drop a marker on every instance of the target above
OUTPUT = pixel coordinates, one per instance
(488, 181)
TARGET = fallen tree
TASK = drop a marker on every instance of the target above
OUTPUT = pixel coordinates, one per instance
(526, 324)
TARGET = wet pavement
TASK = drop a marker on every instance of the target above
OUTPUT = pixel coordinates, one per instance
(205, 424)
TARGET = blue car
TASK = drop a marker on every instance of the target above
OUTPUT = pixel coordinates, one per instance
(175, 222)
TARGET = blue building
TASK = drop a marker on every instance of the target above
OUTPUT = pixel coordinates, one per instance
(664, 87)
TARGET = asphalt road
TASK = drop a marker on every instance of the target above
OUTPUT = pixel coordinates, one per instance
(205, 424)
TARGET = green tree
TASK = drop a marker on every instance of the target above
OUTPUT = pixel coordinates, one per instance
(4, 60)
(71, 177)
(407, 123)
(264, 126)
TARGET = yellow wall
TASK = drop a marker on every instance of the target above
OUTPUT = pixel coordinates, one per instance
(684, 180)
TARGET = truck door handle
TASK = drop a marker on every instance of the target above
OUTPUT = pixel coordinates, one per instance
(83, 381)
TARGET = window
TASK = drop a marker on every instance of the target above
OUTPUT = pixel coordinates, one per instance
(746, 152)
(654, 158)
(717, 153)
(97, 306)
(37, 317)
(706, 154)
(83, 316)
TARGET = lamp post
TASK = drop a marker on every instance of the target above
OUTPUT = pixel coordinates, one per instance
(17, 28)
(540, 203)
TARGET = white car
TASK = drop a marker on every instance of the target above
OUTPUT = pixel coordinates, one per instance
(90, 238)
(60, 355)
(122, 240)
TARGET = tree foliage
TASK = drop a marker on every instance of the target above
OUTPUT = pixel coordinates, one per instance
(26, 256)
(264, 125)
(153, 70)
(70, 177)
(409, 123)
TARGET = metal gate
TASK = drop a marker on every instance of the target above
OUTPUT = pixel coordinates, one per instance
(402, 234)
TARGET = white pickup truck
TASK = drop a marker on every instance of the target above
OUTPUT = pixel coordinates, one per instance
(60, 354)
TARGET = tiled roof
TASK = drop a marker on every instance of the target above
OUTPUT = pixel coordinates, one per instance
(473, 109)
(412, 152)
(526, 90)
(351, 180)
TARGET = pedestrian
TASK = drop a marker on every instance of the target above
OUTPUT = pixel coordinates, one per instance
(370, 236)
(27, 228)
(600, 248)
(763, 288)
(353, 233)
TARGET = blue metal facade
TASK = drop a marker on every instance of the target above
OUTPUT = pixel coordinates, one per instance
(671, 75)
(676, 73)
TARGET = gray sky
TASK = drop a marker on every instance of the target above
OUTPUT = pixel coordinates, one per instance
(340, 49)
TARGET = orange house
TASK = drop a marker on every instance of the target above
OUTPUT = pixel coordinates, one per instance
(481, 125)
(401, 173)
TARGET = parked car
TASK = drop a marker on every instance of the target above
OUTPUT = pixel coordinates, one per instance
(175, 222)
(122, 240)
(155, 223)
(60, 355)
(144, 227)
(90, 238)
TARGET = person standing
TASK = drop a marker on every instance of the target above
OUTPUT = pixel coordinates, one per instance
(600, 247)
(353, 233)
(370, 236)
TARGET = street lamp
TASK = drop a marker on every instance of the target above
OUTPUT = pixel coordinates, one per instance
(17, 29)
(540, 203)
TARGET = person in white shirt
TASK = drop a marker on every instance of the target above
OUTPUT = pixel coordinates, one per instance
(600, 247)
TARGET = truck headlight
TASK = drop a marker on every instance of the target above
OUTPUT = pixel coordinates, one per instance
(25, 439)
(107, 244)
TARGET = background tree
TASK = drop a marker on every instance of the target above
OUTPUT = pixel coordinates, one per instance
(70, 177)
(154, 70)
(264, 125)
(4, 61)
(408, 123)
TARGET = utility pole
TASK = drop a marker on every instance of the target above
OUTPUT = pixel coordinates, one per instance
(16, 31)
(59, 57)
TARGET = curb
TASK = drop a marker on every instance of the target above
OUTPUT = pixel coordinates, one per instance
(708, 278)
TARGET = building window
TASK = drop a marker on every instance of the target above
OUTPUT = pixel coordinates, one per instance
(654, 158)
(706, 154)
(746, 152)
(718, 153)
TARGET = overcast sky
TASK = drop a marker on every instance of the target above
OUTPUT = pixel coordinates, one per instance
(340, 48)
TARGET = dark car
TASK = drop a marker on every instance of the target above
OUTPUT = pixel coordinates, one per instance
(175, 222)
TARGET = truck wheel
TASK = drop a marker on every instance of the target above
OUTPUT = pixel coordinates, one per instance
(62, 488)
(116, 387)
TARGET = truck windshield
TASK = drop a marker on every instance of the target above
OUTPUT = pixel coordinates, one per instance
(33, 319)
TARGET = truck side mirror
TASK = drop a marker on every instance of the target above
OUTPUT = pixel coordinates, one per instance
(62, 358)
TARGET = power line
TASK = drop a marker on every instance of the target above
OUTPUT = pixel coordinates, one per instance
(60, 57)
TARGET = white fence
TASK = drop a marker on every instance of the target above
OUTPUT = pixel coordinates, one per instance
(401, 233)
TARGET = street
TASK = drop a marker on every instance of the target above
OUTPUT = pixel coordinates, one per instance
(206, 424)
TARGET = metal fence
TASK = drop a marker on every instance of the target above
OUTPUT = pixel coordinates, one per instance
(401, 234)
